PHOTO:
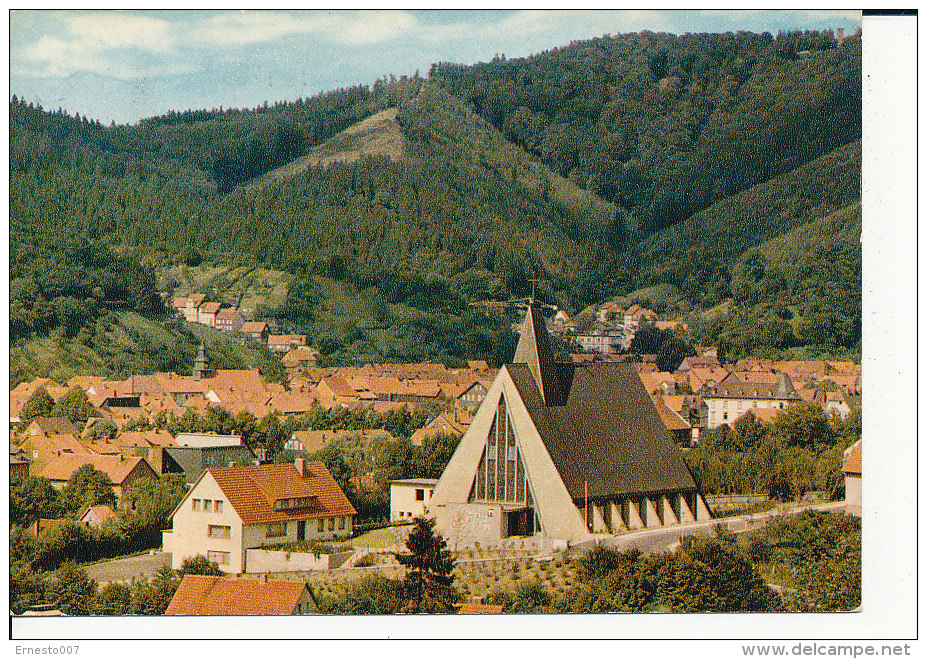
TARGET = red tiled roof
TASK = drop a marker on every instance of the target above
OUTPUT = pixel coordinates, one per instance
(227, 314)
(854, 461)
(475, 607)
(217, 596)
(118, 469)
(253, 326)
(252, 491)
(210, 307)
(55, 425)
(102, 513)
(145, 438)
(670, 418)
(238, 380)
(293, 402)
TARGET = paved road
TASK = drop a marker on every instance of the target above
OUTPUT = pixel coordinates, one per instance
(126, 569)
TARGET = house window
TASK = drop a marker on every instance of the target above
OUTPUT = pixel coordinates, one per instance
(341, 523)
(331, 523)
(321, 524)
(419, 495)
(217, 531)
(276, 529)
(207, 505)
(197, 504)
(219, 505)
(220, 557)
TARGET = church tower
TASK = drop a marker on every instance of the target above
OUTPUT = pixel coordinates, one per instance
(200, 366)
(534, 350)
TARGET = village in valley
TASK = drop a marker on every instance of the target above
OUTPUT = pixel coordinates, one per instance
(263, 474)
(576, 329)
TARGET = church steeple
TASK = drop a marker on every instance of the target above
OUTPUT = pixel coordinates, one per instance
(200, 367)
(535, 351)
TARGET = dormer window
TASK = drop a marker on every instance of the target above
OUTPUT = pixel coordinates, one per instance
(293, 502)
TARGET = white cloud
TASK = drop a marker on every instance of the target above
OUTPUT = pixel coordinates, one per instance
(112, 44)
(118, 30)
(355, 28)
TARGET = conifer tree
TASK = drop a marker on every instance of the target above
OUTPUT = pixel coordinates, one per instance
(429, 570)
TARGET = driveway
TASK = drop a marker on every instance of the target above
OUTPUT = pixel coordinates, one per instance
(125, 569)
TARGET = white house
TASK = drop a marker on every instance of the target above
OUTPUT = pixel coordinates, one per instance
(731, 398)
(232, 509)
(409, 498)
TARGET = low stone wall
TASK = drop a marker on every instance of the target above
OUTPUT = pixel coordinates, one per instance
(266, 560)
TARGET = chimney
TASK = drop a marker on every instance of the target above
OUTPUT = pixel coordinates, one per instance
(839, 37)
(301, 466)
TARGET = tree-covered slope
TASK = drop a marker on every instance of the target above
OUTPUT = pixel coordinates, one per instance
(798, 295)
(666, 125)
(697, 254)
(122, 343)
(490, 178)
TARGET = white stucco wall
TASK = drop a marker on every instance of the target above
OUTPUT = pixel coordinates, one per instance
(190, 536)
(735, 408)
(854, 494)
(402, 500)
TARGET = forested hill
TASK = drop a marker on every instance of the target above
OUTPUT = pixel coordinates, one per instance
(555, 168)
(665, 126)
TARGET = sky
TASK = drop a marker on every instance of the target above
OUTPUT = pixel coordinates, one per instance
(124, 66)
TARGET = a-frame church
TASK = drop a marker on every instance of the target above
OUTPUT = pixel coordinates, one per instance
(559, 453)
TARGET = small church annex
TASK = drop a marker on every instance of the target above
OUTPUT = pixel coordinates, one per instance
(559, 453)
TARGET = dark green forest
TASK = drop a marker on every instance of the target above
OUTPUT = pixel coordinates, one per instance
(599, 168)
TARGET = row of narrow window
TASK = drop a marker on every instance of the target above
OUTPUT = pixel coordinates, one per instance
(501, 475)
(208, 505)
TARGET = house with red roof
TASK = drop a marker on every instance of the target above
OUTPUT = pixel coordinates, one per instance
(257, 330)
(200, 595)
(207, 313)
(853, 478)
(191, 309)
(229, 320)
(122, 471)
(96, 515)
(232, 509)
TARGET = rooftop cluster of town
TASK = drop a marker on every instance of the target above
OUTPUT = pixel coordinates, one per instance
(521, 472)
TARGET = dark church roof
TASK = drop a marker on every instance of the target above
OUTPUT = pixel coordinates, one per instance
(597, 422)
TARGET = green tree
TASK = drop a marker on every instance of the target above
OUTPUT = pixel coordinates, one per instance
(334, 460)
(147, 503)
(114, 599)
(40, 403)
(373, 594)
(151, 598)
(87, 486)
(74, 405)
(32, 498)
(805, 425)
(429, 570)
(200, 565)
(72, 591)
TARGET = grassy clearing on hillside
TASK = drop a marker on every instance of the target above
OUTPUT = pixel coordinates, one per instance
(378, 135)
(237, 285)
